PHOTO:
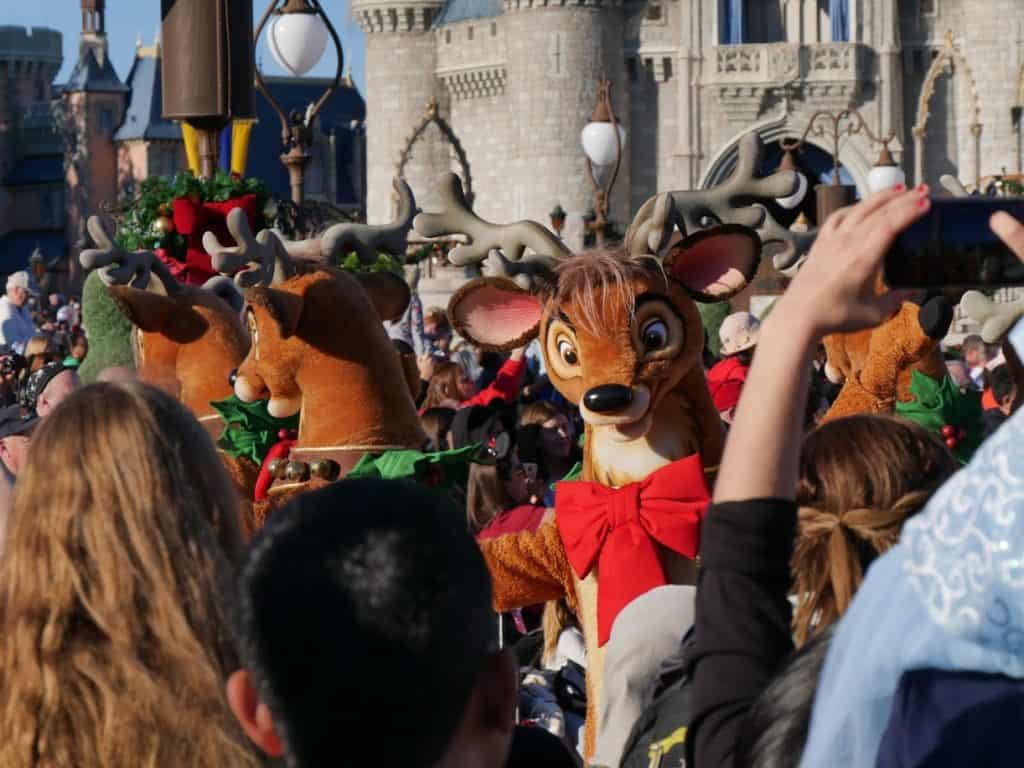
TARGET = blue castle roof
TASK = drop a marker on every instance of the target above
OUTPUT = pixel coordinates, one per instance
(463, 10)
(143, 117)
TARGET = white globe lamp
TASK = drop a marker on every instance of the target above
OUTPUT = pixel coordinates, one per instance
(886, 174)
(297, 37)
(789, 164)
(600, 144)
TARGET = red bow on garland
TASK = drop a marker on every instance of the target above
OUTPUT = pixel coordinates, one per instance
(615, 529)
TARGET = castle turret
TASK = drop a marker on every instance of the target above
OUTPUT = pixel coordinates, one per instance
(401, 59)
(94, 102)
(557, 54)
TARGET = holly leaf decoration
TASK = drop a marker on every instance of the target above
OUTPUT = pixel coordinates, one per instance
(442, 468)
(937, 404)
(249, 430)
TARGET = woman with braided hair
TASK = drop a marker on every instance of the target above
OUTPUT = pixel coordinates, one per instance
(861, 478)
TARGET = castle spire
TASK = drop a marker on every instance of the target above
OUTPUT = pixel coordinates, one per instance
(94, 30)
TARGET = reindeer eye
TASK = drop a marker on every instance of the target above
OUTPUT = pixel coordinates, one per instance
(654, 335)
(568, 352)
(707, 221)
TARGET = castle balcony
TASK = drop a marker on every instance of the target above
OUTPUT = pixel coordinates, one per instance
(826, 75)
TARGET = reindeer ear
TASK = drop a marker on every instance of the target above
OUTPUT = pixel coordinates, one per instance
(495, 313)
(156, 313)
(284, 308)
(715, 263)
(388, 292)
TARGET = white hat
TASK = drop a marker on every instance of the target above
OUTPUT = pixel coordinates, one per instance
(738, 332)
(21, 279)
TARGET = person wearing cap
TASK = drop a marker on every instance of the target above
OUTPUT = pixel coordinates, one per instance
(738, 334)
(16, 326)
(16, 425)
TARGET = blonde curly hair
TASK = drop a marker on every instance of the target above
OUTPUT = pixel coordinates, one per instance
(113, 648)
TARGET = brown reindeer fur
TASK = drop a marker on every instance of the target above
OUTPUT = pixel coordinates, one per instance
(319, 346)
(877, 364)
(595, 306)
(186, 344)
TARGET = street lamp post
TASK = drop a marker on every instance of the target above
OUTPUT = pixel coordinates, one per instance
(297, 38)
(833, 196)
(603, 139)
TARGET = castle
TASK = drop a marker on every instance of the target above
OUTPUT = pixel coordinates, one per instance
(68, 151)
(515, 81)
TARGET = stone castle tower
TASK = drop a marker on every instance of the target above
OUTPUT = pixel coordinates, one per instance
(93, 101)
(515, 82)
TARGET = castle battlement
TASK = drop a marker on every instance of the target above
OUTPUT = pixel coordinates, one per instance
(31, 49)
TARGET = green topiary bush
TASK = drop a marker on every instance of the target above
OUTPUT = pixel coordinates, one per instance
(109, 332)
(712, 315)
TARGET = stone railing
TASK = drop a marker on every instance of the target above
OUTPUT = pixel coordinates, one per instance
(402, 16)
(474, 82)
(828, 74)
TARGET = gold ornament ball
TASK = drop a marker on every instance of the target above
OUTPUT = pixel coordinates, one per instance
(163, 225)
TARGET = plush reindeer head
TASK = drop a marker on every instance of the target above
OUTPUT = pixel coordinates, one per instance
(318, 343)
(619, 330)
(187, 340)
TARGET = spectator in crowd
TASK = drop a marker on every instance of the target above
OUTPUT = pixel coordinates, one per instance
(1004, 393)
(975, 355)
(437, 332)
(16, 426)
(16, 326)
(556, 448)
(960, 374)
(114, 648)
(451, 387)
(743, 613)
(48, 387)
(39, 352)
(392, 604)
(861, 479)
(78, 349)
(738, 332)
(437, 422)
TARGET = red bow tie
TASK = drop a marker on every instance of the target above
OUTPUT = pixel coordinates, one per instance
(615, 529)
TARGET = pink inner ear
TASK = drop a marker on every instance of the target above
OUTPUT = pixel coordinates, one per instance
(717, 265)
(493, 316)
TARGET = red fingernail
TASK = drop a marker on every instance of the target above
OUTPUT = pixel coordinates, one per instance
(921, 187)
(900, 187)
(924, 202)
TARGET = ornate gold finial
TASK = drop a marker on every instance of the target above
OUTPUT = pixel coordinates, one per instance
(949, 38)
(432, 108)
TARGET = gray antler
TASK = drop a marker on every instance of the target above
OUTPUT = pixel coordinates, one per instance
(511, 240)
(953, 185)
(117, 266)
(995, 319)
(738, 201)
(260, 260)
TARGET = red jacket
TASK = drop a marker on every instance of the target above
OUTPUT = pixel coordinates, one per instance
(725, 382)
(504, 387)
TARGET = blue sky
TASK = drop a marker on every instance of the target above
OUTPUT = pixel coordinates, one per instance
(128, 19)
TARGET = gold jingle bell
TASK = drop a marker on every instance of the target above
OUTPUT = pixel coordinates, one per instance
(325, 469)
(297, 471)
(276, 468)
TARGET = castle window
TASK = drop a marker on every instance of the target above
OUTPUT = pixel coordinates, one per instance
(653, 12)
(666, 64)
(469, 33)
(494, 29)
(632, 70)
(929, 7)
(751, 21)
(106, 121)
(447, 37)
(40, 90)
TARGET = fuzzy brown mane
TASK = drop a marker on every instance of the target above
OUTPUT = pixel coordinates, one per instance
(592, 282)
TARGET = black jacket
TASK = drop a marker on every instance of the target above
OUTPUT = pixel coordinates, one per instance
(743, 620)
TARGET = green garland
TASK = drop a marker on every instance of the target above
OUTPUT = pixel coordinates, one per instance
(157, 193)
(384, 263)
(938, 404)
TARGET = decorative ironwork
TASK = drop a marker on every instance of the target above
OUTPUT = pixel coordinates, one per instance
(847, 122)
(432, 116)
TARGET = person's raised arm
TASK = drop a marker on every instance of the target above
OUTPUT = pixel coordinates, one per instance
(836, 290)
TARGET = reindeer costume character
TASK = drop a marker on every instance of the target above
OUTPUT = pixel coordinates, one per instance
(319, 347)
(622, 338)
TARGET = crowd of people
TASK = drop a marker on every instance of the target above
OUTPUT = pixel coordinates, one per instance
(858, 600)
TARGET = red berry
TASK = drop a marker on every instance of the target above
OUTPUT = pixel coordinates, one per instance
(951, 443)
(961, 433)
(948, 430)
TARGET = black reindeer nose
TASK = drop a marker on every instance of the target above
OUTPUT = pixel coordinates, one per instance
(608, 397)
